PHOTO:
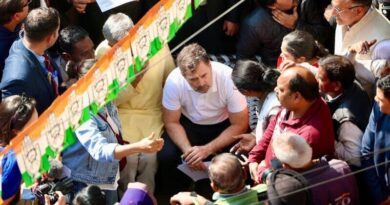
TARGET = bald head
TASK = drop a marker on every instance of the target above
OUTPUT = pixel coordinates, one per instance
(226, 172)
(303, 81)
(306, 74)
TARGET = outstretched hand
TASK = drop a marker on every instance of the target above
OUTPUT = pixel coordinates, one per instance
(151, 144)
(187, 198)
(245, 144)
(362, 47)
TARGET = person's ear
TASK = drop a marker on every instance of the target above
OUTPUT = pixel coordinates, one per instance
(214, 187)
(66, 56)
(244, 173)
(296, 95)
(50, 38)
(301, 59)
(17, 16)
(337, 86)
(360, 9)
(273, 6)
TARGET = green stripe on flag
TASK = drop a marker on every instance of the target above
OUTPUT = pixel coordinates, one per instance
(188, 13)
(85, 115)
(138, 63)
(113, 90)
(197, 3)
(70, 137)
(173, 28)
(27, 178)
(131, 74)
(94, 108)
(155, 46)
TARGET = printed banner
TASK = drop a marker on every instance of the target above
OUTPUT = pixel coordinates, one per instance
(54, 130)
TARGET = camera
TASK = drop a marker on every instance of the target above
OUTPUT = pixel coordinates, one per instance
(64, 185)
(276, 164)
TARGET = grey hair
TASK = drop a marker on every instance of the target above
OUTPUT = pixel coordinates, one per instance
(226, 172)
(116, 27)
(292, 149)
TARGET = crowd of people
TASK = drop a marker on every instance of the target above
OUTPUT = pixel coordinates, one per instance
(278, 101)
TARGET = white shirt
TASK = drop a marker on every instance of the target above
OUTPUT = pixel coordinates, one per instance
(270, 107)
(204, 108)
(372, 26)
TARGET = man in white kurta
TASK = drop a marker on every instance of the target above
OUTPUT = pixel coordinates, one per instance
(357, 21)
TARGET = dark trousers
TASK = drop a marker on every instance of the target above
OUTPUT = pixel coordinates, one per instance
(170, 180)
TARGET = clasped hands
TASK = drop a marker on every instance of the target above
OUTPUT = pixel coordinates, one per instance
(195, 155)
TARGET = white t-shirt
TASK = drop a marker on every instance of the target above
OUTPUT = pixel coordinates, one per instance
(204, 108)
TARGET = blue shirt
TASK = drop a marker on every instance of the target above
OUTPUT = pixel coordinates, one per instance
(376, 140)
(10, 176)
(6, 39)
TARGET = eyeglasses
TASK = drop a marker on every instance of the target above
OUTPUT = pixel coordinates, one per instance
(28, 3)
(339, 11)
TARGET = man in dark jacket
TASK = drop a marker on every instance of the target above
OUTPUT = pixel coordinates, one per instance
(28, 69)
(349, 104)
(13, 12)
(263, 30)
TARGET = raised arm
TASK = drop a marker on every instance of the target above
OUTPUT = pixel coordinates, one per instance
(100, 149)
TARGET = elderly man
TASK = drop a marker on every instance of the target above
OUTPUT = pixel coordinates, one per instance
(357, 21)
(28, 69)
(114, 29)
(13, 12)
(202, 110)
(304, 113)
(295, 153)
(139, 105)
(375, 145)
